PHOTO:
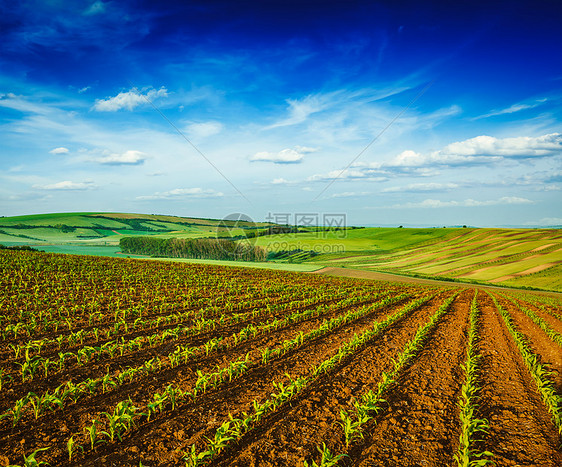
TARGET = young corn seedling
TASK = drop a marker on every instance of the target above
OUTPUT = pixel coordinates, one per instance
(327, 460)
(30, 461)
(351, 429)
(72, 447)
(92, 432)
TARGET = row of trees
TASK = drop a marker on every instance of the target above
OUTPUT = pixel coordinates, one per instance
(199, 248)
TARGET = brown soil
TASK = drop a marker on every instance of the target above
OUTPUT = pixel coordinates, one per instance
(521, 429)
(287, 437)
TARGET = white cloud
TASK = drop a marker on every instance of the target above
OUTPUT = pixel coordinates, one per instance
(60, 150)
(480, 150)
(348, 174)
(125, 158)
(67, 185)
(435, 203)
(203, 129)
(300, 110)
(179, 193)
(305, 149)
(417, 187)
(280, 181)
(512, 109)
(286, 156)
(350, 194)
(84, 89)
(128, 100)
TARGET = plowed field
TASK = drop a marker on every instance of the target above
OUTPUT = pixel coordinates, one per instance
(128, 362)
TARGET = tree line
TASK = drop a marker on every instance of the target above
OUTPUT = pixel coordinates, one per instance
(197, 248)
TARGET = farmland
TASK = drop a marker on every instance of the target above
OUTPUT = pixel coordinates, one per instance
(109, 361)
(512, 257)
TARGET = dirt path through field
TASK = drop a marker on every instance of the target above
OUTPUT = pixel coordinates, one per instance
(383, 276)
(521, 429)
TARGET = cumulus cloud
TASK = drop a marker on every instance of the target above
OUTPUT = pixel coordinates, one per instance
(285, 156)
(435, 203)
(128, 100)
(180, 193)
(125, 158)
(60, 150)
(474, 151)
(67, 185)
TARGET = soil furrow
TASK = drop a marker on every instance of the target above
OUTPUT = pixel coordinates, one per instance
(549, 354)
(76, 416)
(289, 436)
(421, 425)
(161, 440)
(521, 430)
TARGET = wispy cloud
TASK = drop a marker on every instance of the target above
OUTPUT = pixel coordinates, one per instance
(125, 158)
(200, 130)
(60, 150)
(128, 100)
(349, 194)
(512, 109)
(67, 185)
(285, 156)
(180, 193)
(435, 203)
(421, 187)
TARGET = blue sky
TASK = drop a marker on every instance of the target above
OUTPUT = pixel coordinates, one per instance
(412, 113)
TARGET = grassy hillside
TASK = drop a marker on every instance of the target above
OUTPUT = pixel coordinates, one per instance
(516, 257)
(82, 229)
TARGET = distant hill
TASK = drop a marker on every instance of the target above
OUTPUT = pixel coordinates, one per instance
(506, 256)
(96, 228)
(515, 257)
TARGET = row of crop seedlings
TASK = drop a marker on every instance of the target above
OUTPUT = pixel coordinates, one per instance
(45, 322)
(235, 427)
(546, 304)
(472, 427)
(539, 372)
(119, 316)
(36, 365)
(372, 402)
(33, 305)
(126, 415)
(554, 336)
(203, 319)
(71, 392)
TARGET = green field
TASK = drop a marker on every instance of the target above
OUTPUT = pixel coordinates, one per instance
(513, 257)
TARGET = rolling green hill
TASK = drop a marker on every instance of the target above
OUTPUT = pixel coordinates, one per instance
(514, 257)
